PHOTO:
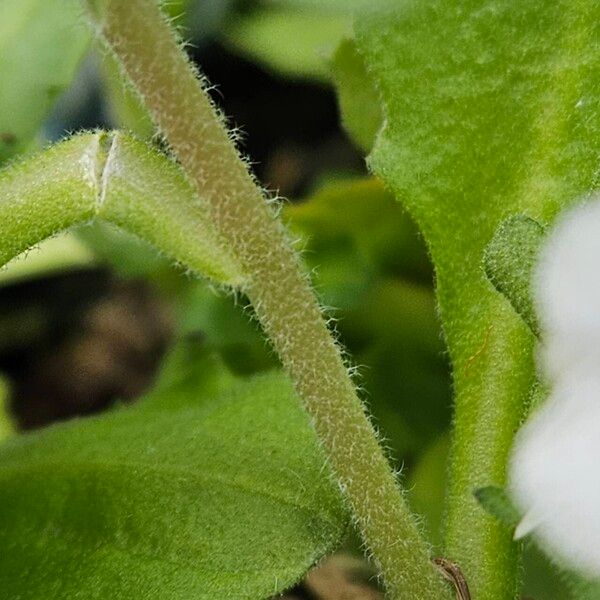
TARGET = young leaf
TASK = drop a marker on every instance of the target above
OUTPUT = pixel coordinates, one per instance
(360, 107)
(360, 217)
(192, 369)
(492, 108)
(509, 260)
(225, 497)
(224, 327)
(497, 503)
(41, 44)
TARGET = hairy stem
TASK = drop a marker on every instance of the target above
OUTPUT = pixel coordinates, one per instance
(117, 179)
(46, 194)
(285, 305)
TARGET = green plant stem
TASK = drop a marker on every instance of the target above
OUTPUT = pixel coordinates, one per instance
(281, 295)
(117, 179)
(44, 195)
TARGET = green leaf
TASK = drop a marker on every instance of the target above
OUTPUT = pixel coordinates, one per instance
(497, 503)
(6, 424)
(41, 44)
(359, 102)
(221, 496)
(192, 369)
(492, 108)
(509, 260)
(295, 43)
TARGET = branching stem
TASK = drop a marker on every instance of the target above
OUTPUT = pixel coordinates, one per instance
(117, 179)
(145, 45)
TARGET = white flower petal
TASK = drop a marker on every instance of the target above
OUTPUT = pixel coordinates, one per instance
(555, 473)
(567, 289)
(529, 523)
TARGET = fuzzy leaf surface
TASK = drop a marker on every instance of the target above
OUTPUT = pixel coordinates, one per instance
(492, 108)
(223, 496)
(509, 260)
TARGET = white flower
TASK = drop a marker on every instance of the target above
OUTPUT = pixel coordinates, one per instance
(554, 471)
(567, 292)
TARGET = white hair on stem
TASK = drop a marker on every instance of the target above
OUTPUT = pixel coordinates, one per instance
(555, 466)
